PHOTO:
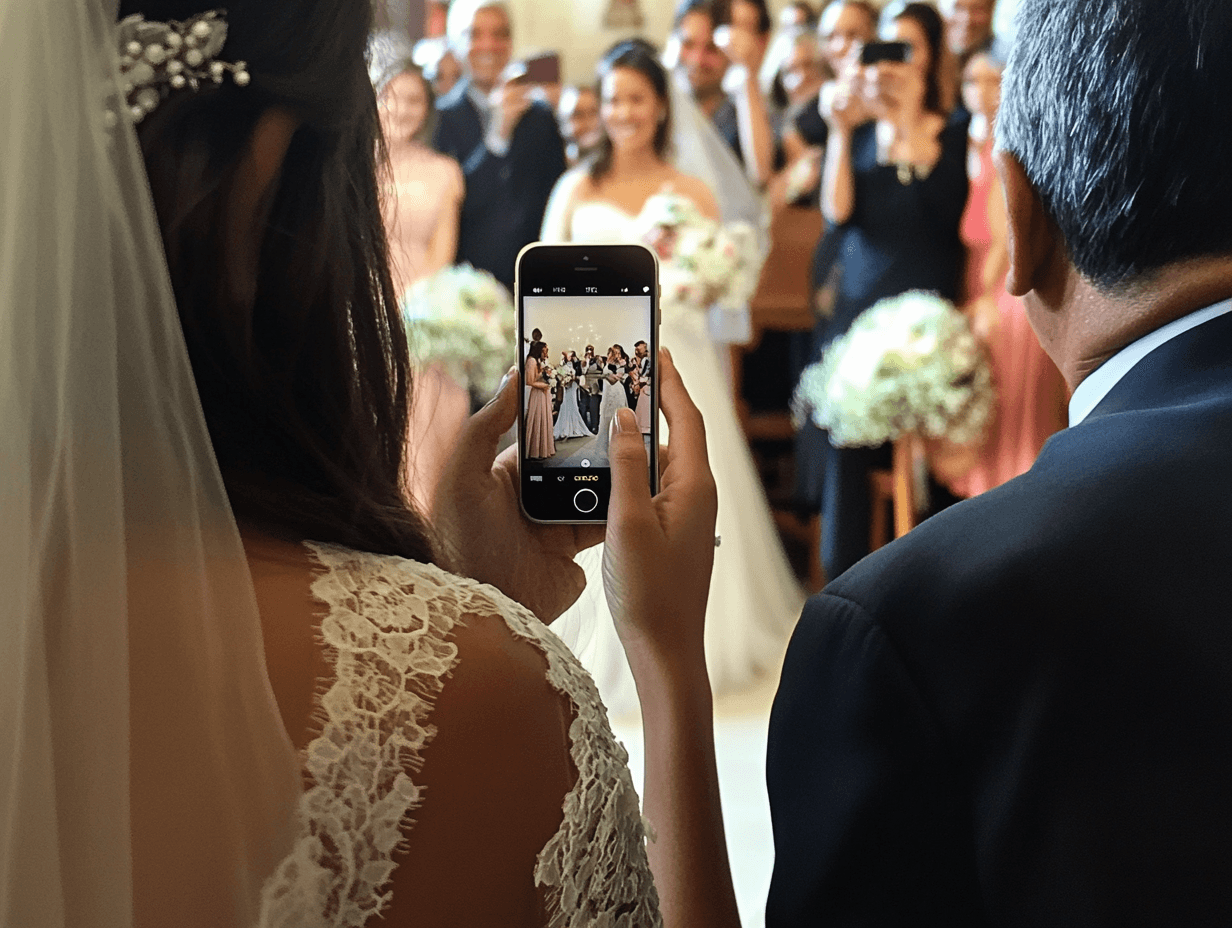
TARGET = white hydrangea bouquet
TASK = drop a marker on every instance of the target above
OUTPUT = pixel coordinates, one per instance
(565, 375)
(702, 263)
(462, 319)
(908, 365)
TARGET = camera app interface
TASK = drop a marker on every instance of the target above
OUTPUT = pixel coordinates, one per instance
(586, 357)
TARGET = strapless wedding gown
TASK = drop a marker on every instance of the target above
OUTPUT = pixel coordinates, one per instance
(755, 598)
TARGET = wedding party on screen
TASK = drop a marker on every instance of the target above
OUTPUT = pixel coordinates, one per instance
(586, 358)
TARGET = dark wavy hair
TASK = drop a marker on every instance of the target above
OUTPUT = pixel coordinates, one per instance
(306, 384)
(929, 20)
(642, 57)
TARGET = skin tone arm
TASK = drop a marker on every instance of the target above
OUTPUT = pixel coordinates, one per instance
(657, 563)
(656, 572)
(444, 245)
(756, 137)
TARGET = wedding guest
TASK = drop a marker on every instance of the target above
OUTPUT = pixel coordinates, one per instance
(421, 198)
(797, 82)
(968, 27)
(592, 370)
(799, 14)
(1021, 712)
(844, 27)
(424, 189)
(440, 65)
(1030, 391)
(894, 188)
(539, 442)
(506, 141)
(578, 115)
(739, 113)
(644, 372)
(535, 336)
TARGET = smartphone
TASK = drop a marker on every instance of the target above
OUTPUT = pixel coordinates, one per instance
(598, 304)
(877, 52)
(543, 69)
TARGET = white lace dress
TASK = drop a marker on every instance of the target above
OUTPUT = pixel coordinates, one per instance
(388, 627)
(755, 598)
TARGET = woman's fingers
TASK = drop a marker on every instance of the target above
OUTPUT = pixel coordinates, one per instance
(630, 467)
(684, 420)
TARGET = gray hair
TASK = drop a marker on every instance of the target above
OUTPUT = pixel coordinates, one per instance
(1116, 110)
(462, 15)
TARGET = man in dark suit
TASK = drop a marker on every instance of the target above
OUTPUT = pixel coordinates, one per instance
(1021, 712)
(505, 139)
(592, 386)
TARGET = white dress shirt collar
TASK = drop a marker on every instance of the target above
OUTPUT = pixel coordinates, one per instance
(1101, 380)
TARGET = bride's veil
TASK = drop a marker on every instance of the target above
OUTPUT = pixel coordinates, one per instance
(145, 775)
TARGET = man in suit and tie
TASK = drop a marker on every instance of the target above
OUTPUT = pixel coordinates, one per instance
(592, 386)
(507, 141)
(1021, 712)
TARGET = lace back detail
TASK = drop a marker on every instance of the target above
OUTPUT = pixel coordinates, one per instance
(388, 628)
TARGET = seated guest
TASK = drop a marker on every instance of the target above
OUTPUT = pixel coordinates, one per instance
(1030, 392)
(507, 142)
(735, 102)
(578, 115)
(1021, 712)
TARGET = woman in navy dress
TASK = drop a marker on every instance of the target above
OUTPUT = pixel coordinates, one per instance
(894, 189)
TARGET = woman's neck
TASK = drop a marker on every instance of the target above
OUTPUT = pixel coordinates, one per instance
(635, 161)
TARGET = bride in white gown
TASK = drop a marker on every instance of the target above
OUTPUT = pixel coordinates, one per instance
(754, 597)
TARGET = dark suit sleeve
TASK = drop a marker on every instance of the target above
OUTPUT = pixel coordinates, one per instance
(538, 155)
(869, 828)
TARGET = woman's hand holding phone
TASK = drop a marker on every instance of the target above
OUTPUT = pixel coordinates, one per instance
(656, 572)
(479, 520)
(659, 550)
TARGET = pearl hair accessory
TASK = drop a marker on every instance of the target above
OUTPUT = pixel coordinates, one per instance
(156, 58)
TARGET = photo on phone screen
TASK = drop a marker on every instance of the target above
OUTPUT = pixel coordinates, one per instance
(588, 348)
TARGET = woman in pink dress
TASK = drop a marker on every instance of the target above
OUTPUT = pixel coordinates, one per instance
(1030, 391)
(420, 204)
(539, 441)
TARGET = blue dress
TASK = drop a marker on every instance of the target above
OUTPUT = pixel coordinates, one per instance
(900, 236)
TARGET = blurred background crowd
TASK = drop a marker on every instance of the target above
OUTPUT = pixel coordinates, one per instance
(874, 179)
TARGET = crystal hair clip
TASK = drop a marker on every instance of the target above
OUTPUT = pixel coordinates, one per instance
(156, 58)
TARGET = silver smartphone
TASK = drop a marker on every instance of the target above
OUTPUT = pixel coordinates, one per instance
(588, 334)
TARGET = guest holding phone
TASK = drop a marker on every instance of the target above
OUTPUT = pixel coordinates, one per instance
(894, 187)
(506, 141)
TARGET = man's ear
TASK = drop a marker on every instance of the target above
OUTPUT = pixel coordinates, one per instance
(1030, 237)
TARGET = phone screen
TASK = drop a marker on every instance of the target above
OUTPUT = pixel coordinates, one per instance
(877, 52)
(587, 319)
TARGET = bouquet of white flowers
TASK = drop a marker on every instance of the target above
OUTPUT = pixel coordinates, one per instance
(702, 263)
(566, 375)
(462, 319)
(910, 364)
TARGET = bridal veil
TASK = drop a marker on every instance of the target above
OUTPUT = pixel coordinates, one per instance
(145, 774)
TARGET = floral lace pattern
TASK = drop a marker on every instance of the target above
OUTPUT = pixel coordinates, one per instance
(389, 628)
